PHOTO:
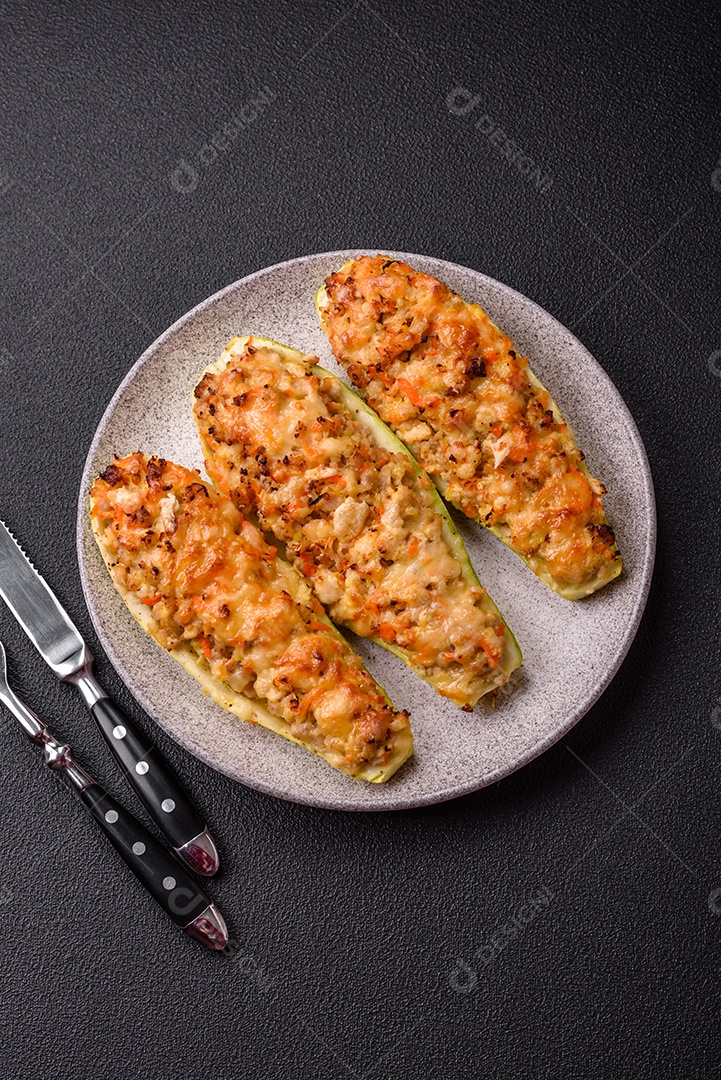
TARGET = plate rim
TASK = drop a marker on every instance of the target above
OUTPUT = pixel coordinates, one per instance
(437, 796)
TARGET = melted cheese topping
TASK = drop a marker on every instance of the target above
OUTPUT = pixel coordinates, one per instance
(357, 520)
(209, 579)
(454, 389)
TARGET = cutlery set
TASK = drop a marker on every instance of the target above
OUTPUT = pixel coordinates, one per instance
(163, 872)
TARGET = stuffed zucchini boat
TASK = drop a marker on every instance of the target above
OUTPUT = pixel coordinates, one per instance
(454, 389)
(206, 587)
(357, 515)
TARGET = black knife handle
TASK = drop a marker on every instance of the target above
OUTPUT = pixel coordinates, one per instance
(149, 774)
(165, 878)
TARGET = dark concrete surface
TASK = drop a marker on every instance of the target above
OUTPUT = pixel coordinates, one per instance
(565, 922)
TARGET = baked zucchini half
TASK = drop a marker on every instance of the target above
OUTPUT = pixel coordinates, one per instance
(356, 513)
(203, 583)
(456, 391)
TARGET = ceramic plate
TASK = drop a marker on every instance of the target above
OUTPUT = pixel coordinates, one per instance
(570, 650)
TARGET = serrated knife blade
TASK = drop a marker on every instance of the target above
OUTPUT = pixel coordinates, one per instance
(58, 640)
(35, 607)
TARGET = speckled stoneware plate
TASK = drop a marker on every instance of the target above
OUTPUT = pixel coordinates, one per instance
(570, 650)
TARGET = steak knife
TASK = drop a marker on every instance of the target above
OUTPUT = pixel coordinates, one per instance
(58, 641)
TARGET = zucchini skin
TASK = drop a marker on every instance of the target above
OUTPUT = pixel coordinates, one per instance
(382, 436)
(610, 566)
(189, 653)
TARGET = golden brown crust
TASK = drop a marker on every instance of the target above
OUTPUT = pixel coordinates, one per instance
(452, 386)
(359, 520)
(176, 546)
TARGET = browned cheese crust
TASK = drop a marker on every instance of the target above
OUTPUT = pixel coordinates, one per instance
(184, 551)
(454, 389)
(358, 520)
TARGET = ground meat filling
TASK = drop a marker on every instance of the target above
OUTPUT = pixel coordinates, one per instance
(209, 579)
(455, 390)
(355, 518)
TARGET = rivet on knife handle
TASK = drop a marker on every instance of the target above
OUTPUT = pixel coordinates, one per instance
(158, 787)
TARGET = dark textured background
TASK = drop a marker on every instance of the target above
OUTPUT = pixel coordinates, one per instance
(366, 943)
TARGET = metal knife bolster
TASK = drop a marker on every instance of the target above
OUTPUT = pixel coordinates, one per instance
(83, 678)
